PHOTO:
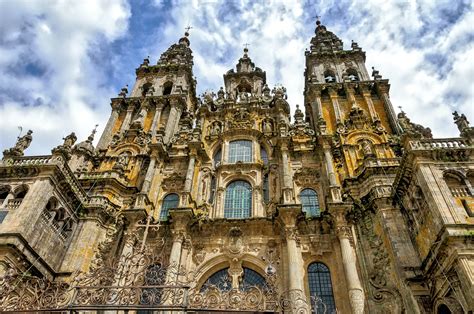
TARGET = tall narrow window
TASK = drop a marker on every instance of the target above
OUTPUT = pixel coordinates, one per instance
(212, 192)
(238, 200)
(310, 203)
(320, 288)
(170, 201)
(266, 192)
(264, 156)
(240, 151)
(217, 158)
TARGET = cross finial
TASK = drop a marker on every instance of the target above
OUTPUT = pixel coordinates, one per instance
(188, 28)
(246, 45)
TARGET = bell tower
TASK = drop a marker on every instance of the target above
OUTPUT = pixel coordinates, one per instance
(160, 95)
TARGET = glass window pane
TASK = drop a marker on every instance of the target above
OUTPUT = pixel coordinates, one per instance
(320, 288)
(240, 151)
(238, 200)
(310, 203)
(170, 201)
(263, 154)
(223, 282)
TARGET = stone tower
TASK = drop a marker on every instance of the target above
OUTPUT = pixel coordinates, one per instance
(224, 202)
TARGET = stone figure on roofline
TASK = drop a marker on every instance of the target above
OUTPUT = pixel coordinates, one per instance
(21, 144)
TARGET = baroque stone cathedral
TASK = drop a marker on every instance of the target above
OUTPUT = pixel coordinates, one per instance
(223, 202)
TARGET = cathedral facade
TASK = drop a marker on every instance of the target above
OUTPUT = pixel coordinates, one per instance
(224, 202)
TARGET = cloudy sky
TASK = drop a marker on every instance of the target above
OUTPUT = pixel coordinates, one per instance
(62, 61)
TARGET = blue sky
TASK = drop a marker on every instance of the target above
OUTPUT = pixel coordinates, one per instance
(62, 61)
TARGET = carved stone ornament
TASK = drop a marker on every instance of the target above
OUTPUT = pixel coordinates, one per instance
(306, 177)
(174, 182)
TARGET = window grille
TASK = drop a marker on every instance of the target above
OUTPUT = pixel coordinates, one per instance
(223, 282)
(320, 286)
(170, 201)
(310, 203)
(240, 151)
(238, 200)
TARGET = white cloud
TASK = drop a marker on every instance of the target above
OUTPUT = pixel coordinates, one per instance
(61, 39)
(56, 38)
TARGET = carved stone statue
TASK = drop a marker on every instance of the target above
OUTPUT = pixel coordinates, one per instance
(461, 121)
(367, 148)
(69, 141)
(22, 143)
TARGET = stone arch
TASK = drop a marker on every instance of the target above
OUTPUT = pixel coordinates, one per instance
(354, 137)
(167, 88)
(228, 178)
(456, 182)
(131, 148)
(4, 192)
(20, 191)
(352, 74)
(222, 261)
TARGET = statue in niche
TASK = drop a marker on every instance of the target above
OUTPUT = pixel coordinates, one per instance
(215, 128)
(122, 162)
(267, 126)
(21, 144)
(367, 148)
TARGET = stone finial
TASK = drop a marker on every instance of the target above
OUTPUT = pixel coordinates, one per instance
(21, 144)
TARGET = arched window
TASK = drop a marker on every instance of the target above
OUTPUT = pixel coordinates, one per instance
(4, 191)
(457, 185)
(170, 201)
(238, 200)
(352, 75)
(217, 157)
(263, 155)
(145, 88)
(310, 203)
(212, 192)
(20, 193)
(443, 309)
(240, 151)
(320, 288)
(167, 88)
(222, 281)
(329, 77)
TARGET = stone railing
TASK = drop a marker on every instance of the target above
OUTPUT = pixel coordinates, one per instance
(49, 160)
(14, 203)
(25, 161)
(460, 191)
(447, 143)
(54, 225)
(103, 175)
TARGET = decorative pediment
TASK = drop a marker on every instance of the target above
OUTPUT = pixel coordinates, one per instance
(174, 182)
(306, 176)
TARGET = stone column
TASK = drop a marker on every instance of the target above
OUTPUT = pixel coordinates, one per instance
(188, 183)
(172, 123)
(180, 219)
(107, 134)
(287, 185)
(149, 175)
(127, 119)
(349, 261)
(368, 99)
(329, 165)
(294, 266)
(156, 118)
(335, 105)
(392, 118)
